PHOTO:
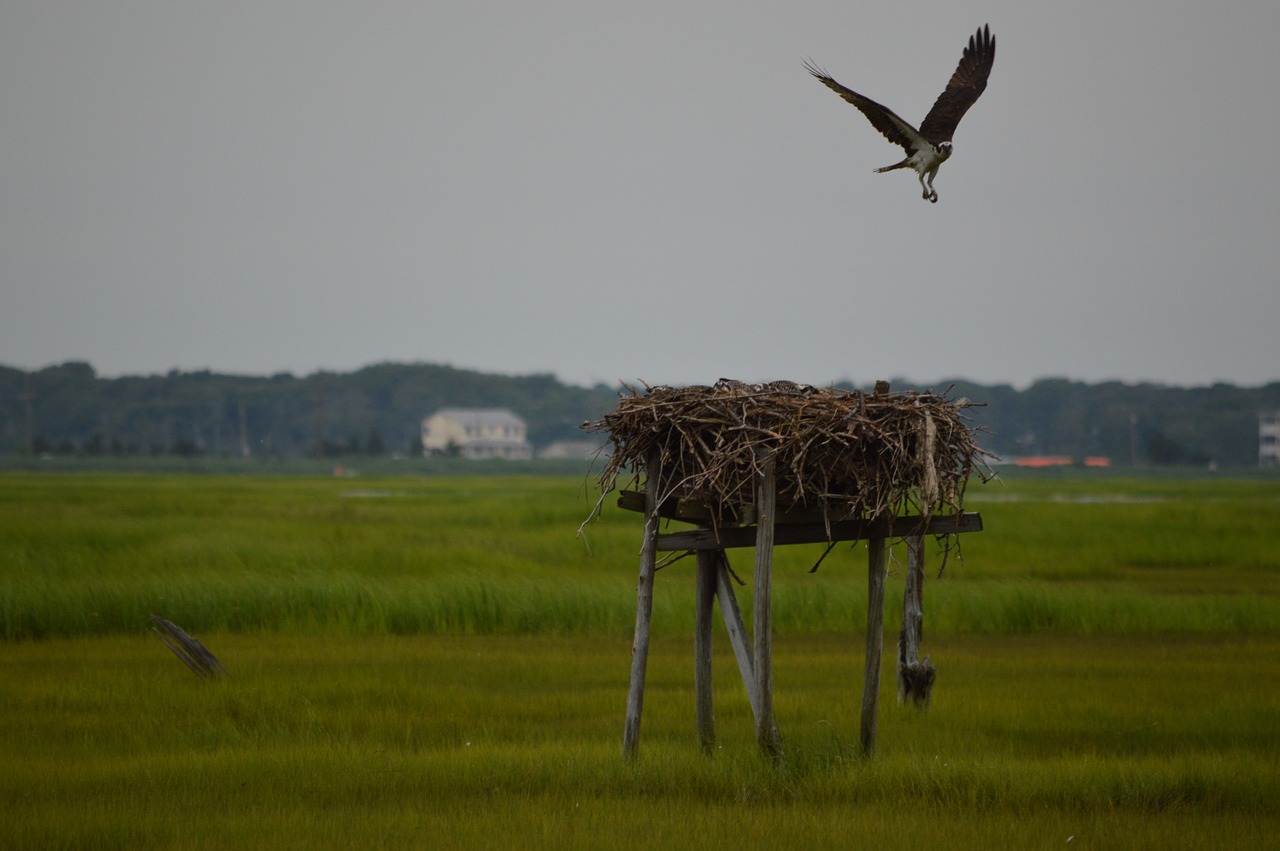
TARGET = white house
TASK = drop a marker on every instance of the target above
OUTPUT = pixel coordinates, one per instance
(1269, 440)
(476, 433)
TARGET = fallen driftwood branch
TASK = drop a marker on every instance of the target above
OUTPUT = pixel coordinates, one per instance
(192, 653)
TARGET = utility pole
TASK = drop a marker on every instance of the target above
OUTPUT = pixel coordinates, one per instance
(244, 430)
(319, 415)
(29, 410)
(1133, 438)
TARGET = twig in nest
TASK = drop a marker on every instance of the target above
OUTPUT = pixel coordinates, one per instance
(849, 454)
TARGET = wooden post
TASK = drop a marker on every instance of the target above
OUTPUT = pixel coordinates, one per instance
(708, 566)
(915, 678)
(644, 607)
(877, 565)
(737, 631)
(766, 501)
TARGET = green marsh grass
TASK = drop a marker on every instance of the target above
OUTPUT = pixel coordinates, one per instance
(93, 554)
(464, 741)
(443, 663)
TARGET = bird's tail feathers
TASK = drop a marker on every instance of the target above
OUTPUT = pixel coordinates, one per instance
(904, 164)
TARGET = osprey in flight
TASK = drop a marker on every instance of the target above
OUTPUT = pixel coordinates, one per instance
(930, 146)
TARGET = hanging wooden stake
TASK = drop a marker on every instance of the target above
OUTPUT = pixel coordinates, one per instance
(915, 678)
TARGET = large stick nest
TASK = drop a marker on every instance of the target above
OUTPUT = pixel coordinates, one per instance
(847, 453)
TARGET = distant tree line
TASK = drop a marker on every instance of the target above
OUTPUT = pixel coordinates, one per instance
(374, 411)
(377, 410)
(1131, 424)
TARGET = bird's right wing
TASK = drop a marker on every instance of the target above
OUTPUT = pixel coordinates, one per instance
(894, 128)
(963, 89)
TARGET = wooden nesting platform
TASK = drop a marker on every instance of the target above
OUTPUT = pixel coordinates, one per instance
(791, 526)
(851, 466)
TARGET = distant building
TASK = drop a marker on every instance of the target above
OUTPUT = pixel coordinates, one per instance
(1269, 440)
(575, 449)
(1044, 461)
(475, 433)
(1061, 461)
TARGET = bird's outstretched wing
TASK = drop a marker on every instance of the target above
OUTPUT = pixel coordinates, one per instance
(894, 128)
(966, 84)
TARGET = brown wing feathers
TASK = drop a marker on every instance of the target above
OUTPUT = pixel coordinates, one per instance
(966, 84)
(894, 128)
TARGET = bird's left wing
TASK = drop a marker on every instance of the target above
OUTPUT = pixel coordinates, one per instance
(894, 128)
(964, 88)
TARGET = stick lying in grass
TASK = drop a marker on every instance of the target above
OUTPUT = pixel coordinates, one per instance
(189, 650)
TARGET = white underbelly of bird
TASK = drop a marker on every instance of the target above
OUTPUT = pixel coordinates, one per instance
(925, 162)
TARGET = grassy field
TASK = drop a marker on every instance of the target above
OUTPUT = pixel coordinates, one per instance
(87, 555)
(442, 663)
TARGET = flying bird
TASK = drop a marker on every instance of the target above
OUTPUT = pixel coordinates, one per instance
(930, 146)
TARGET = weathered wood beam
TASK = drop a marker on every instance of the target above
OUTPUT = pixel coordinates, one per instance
(737, 631)
(697, 513)
(762, 627)
(816, 533)
(670, 509)
(705, 597)
(877, 567)
(644, 610)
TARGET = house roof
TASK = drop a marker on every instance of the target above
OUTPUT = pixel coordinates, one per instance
(480, 416)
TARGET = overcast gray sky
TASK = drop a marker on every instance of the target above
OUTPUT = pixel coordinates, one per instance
(653, 191)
